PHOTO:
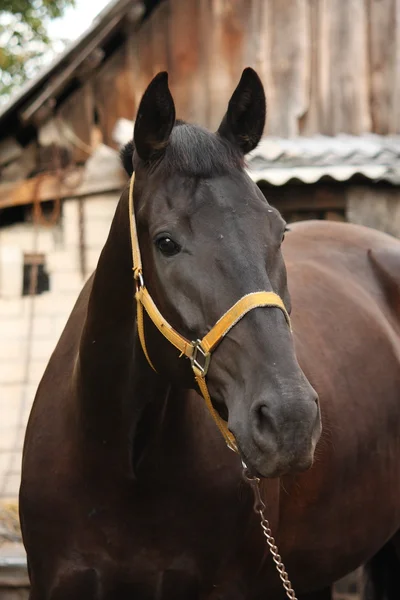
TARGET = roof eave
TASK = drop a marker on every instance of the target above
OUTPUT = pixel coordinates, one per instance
(32, 96)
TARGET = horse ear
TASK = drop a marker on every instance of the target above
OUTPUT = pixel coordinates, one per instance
(155, 119)
(243, 124)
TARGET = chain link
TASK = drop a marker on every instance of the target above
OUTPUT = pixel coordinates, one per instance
(259, 508)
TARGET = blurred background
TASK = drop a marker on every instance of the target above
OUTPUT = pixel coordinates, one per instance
(71, 81)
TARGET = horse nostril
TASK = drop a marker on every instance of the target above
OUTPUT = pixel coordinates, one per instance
(262, 412)
(265, 431)
(263, 418)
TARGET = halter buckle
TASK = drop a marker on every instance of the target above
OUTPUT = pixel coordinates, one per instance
(139, 282)
(200, 360)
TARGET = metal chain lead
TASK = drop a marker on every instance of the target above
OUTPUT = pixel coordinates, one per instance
(259, 508)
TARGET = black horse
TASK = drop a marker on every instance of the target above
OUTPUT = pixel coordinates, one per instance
(128, 490)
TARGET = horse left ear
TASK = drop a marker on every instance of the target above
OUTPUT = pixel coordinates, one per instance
(155, 119)
(244, 122)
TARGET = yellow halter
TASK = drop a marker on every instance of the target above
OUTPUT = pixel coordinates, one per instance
(198, 351)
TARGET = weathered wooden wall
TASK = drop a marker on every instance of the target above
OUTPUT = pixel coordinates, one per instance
(328, 66)
(376, 208)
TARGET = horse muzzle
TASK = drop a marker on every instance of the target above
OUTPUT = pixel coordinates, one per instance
(279, 435)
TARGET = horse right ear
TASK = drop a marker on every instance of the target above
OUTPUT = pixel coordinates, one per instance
(155, 119)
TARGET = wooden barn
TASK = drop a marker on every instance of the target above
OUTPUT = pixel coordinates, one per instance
(330, 67)
(331, 147)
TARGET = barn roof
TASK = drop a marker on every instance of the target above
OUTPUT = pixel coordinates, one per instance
(278, 161)
(341, 158)
(61, 77)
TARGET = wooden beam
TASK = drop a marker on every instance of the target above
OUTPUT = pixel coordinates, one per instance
(315, 197)
(60, 80)
(9, 150)
(49, 186)
(43, 187)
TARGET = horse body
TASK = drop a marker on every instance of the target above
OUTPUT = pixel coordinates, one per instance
(128, 491)
(187, 519)
(346, 325)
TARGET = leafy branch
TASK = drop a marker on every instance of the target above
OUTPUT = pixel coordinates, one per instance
(24, 40)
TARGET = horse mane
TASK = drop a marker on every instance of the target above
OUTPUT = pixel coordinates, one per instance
(126, 155)
(192, 151)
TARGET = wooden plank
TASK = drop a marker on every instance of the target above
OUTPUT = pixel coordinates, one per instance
(133, 69)
(309, 123)
(140, 61)
(147, 53)
(260, 35)
(348, 103)
(339, 68)
(225, 36)
(384, 52)
(76, 115)
(290, 62)
(48, 186)
(124, 88)
(43, 187)
(113, 93)
(169, 40)
(303, 198)
(205, 52)
(264, 60)
(317, 118)
(395, 79)
(382, 33)
(324, 82)
(185, 59)
(159, 40)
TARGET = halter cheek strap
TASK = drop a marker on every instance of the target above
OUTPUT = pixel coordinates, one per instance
(197, 351)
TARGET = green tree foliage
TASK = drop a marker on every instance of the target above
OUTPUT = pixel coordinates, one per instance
(23, 38)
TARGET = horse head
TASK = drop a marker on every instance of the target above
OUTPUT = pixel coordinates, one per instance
(209, 237)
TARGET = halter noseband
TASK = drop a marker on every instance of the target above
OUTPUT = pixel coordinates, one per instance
(198, 351)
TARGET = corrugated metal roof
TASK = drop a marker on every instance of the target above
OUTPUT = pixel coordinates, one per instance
(278, 161)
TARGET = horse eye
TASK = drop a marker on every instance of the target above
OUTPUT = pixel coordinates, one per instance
(167, 246)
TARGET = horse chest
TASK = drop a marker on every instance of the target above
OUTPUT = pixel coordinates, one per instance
(157, 550)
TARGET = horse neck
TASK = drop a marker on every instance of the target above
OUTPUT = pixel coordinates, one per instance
(116, 388)
(114, 381)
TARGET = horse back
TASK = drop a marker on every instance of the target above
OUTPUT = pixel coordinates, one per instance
(344, 259)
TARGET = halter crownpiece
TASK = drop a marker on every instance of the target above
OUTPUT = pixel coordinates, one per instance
(198, 351)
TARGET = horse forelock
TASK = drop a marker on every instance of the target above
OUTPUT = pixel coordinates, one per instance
(196, 152)
(192, 151)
